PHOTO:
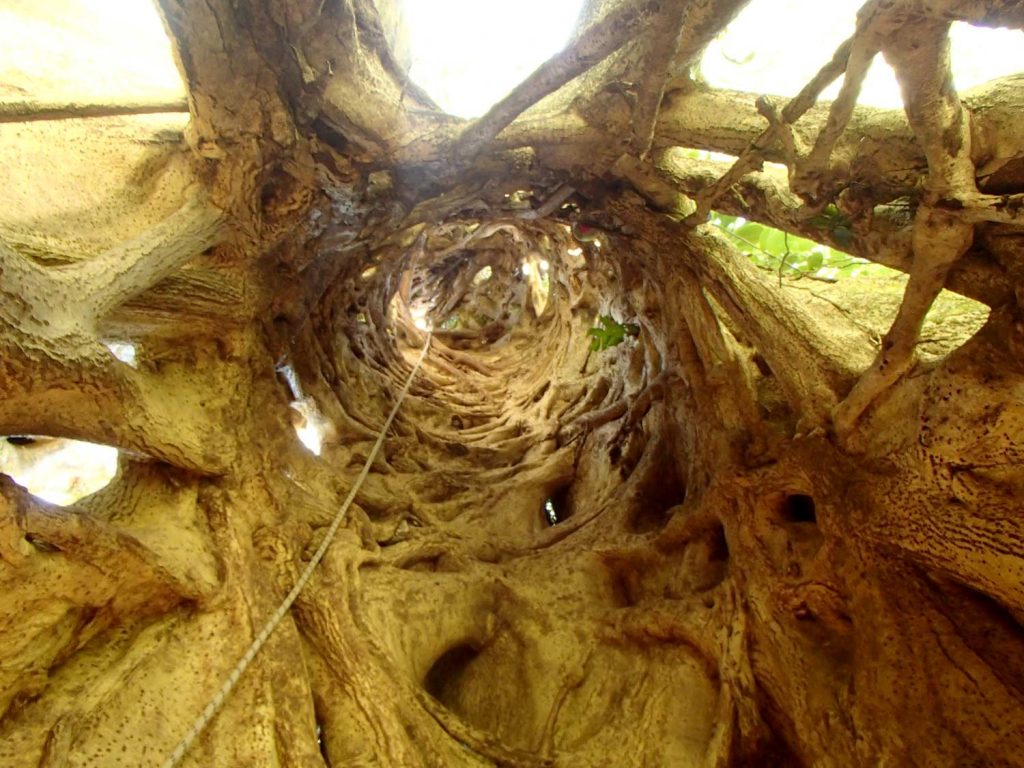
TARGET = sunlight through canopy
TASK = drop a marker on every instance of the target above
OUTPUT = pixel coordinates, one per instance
(468, 54)
(776, 46)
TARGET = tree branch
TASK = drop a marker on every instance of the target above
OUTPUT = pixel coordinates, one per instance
(661, 51)
(24, 112)
(940, 237)
(808, 171)
(812, 362)
(753, 156)
(764, 197)
(592, 46)
(130, 268)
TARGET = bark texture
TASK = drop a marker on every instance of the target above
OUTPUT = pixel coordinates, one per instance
(778, 524)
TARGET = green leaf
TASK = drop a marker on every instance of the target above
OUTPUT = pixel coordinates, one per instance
(751, 231)
(843, 235)
(610, 334)
(773, 241)
(814, 261)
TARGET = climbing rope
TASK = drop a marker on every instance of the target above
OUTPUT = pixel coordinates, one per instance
(225, 690)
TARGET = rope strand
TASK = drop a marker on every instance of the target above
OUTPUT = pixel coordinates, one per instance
(229, 684)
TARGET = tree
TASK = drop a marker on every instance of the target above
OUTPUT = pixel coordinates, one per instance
(747, 531)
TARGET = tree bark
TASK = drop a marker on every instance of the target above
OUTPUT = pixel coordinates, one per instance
(644, 504)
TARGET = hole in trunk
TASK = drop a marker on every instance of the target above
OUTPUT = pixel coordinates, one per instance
(718, 547)
(321, 745)
(443, 680)
(556, 508)
(657, 494)
(56, 469)
(798, 508)
(762, 365)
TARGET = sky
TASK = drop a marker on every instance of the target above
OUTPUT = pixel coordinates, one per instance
(467, 54)
(808, 31)
(85, 50)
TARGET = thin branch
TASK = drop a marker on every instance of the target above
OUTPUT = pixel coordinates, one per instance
(1002, 209)
(594, 45)
(549, 206)
(944, 239)
(753, 156)
(808, 171)
(25, 112)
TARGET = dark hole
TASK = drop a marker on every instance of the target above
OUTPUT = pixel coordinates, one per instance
(660, 492)
(798, 508)
(41, 544)
(457, 449)
(443, 680)
(762, 365)
(268, 194)
(555, 508)
(20, 439)
(718, 547)
(624, 588)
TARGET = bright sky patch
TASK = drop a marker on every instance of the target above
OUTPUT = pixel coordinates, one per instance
(468, 54)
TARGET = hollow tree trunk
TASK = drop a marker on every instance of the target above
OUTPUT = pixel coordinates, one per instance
(761, 530)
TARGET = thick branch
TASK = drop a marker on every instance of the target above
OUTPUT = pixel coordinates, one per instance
(668, 33)
(73, 387)
(129, 269)
(813, 363)
(764, 197)
(878, 147)
(115, 554)
(705, 20)
(995, 13)
(940, 237)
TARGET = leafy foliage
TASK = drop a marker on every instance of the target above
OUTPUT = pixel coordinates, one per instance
(610, 333)
(835, 222)
(793, 256)
(790, 255)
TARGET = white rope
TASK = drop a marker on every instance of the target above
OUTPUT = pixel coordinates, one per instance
(218, 700)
